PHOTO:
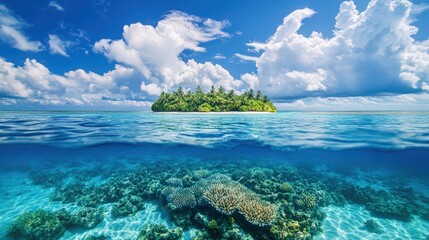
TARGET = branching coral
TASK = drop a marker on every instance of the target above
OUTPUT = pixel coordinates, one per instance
(182, 197)
(258, 212)
(174, 182)
(224, 198)
(199, 188)
(177, 196)
(202, 173)
(224, 195)
(168, 191)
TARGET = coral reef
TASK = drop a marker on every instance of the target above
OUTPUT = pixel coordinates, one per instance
(381, 203)
(289, 230)
(219, 199)
(224, 195)
(224, 198)
(285, 187)
(390, 209)
(306, 201)
(181, 198)
(128, 206)
(72, 192)
(174, 182)
(88, 217)
(159, 232)
(258, 212)
(201, 173)
(39, 224)
(47, 178)
(373, 227)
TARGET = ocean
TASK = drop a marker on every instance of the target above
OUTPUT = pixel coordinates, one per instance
(144, 175)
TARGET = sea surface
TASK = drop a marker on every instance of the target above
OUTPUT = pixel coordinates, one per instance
(144, 175)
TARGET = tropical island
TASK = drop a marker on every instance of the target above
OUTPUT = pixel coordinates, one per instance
(216, 100)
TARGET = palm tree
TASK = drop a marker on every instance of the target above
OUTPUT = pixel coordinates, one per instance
(258, 95)
(212, 90)
(251, 94)
(231, 93)
(221, 90)
(180, 92)
(265, 99)
(199, 91)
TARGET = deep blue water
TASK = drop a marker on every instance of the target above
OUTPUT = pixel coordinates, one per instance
(360, 146)
(386, 139)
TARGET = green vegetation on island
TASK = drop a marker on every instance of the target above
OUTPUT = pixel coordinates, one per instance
(216, 100)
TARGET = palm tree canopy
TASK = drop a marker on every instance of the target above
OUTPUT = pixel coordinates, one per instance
(216, 101)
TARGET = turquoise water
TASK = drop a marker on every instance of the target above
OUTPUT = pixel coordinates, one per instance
(287, 175)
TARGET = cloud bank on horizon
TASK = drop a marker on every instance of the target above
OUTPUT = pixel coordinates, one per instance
(371, 59)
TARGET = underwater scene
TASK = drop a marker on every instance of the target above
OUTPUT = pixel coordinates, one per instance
(144, 175)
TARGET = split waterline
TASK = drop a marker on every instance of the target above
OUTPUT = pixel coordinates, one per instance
(124, 175)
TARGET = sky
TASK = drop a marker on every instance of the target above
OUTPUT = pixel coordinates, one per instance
(303, 54)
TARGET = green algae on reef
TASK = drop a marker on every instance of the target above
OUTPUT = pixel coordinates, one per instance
(219, 199)
(39, 224)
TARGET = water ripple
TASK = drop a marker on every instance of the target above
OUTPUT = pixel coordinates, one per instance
(281, 130)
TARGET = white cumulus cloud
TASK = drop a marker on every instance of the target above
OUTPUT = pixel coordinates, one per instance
(149, 62)
(372, 52)
(151, 89)
(155, 51)
(33, 83)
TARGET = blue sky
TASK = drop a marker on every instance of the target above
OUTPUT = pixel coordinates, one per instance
(101, 54)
